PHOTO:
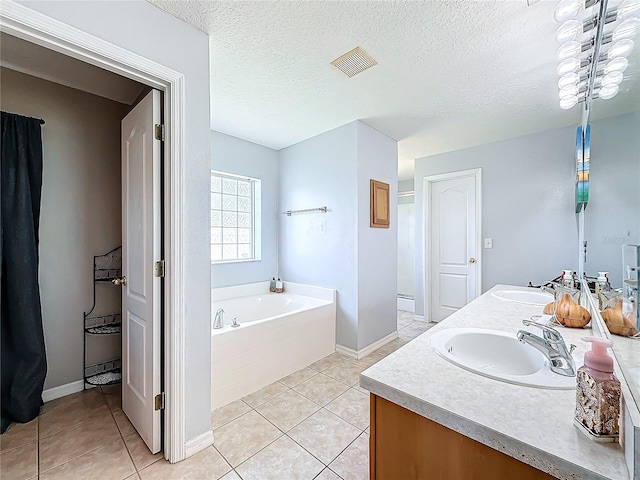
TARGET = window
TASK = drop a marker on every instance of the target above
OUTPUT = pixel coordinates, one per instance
(235, 218)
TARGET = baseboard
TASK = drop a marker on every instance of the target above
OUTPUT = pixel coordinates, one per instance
(199, 443)
(62, 390)
(419, 318)
(406, 304)
(368, 349)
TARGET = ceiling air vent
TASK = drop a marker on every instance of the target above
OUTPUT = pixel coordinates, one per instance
(354, 62)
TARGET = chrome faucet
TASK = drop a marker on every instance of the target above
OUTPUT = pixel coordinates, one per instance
(552, 346)
(218, 322)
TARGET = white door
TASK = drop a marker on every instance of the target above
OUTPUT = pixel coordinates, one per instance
(453, 253)
(141, 229)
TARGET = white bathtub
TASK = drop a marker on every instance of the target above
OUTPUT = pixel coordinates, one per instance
(279, 333)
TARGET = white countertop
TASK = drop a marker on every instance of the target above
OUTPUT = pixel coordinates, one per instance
(530, 424)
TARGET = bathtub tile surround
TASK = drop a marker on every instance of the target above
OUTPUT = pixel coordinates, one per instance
(279, 334)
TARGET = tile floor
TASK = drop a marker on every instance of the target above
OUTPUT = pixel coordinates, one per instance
(313, 424)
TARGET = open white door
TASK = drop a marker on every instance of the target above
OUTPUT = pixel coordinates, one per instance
(141, 230)
(453, 228)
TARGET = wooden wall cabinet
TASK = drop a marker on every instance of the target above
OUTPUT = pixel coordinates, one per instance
(406, 446)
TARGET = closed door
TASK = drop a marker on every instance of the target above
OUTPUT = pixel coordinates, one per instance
(140, 249)
(452, 228)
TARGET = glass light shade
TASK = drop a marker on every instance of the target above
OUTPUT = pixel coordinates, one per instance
(568, 102)
(566, 10)
(568, 31)
(613, 78)
(628, 9)
(568, 65)
(568, 80)
(569, 49)
(626, 29)
(568, 91)
(618, 64)
(608, 91)
(621, 48)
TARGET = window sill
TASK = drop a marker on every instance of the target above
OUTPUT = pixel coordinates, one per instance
(225, 262)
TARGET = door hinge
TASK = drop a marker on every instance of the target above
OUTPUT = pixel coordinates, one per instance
(159, 132)
(158, 269)
(159, 401)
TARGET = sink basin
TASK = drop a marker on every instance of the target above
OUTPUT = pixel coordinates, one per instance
(531, 297)
(498, 355)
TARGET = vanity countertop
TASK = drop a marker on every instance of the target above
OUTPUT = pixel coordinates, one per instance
(530, 424)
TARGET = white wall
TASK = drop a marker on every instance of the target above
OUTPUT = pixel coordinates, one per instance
(338, 249)
(148, 31)
(406, 239)
(80, 215)
(406, 248)
(612, 217)
(233, 155)
(321, 248)
(377, 247)
(528, 205)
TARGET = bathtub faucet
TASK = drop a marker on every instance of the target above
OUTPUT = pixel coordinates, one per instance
(218, 321)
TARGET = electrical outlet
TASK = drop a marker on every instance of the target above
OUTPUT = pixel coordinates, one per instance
(488, 242)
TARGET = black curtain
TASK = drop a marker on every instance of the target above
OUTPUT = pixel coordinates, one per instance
(24, 362)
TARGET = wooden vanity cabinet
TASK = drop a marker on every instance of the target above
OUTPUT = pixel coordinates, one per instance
(406, 446)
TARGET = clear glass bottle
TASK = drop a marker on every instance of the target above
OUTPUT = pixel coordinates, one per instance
(598, 393)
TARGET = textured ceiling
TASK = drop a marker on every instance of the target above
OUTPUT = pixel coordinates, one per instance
(450, 74)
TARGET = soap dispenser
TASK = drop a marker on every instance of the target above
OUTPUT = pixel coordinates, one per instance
(598, 393)
(272, 285)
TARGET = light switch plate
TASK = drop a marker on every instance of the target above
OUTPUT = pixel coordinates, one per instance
(488, 242)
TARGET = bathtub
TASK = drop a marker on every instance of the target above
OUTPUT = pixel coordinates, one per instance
(279, 333)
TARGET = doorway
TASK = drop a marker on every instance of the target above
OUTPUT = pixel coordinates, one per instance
(19, 21)
(452, 206)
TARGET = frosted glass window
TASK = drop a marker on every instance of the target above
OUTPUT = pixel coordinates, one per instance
(235, 218)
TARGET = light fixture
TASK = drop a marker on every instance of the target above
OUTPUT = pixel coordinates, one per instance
(626, 29)
(568, 65)
(621, 48)
(569, 102)
(607, 92)
(593, 40)
(568, 50)
(568, 31)
(629, 9)
(613, 78)
(617, 64)
(568, 91)
(566, 10)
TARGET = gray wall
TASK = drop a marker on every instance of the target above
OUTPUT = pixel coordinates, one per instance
(528, 205)
(148, 31)
(612, 217)
(80, 215)
(321, 248)
(338, 249)
(377, 262)
(233, 155)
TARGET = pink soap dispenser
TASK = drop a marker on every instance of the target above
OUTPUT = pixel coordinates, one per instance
(598, 393)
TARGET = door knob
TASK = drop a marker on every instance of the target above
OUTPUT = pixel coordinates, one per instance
(119, 281)
(472, 260)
